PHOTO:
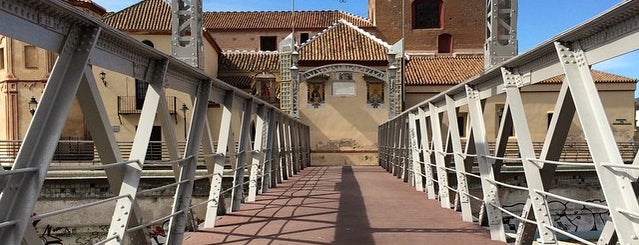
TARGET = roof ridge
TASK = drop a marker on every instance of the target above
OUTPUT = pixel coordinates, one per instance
(368, 34)
(128, 8)
(277, 11)
(237, 51)
(354, 15)
(349, 24)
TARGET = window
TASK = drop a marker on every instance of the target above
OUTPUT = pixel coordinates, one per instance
(268, 43)
(375, 93)
(316, 94)
(140, 93)
(1, 58)
(149, 43)
(303, 37)
(549, 116)
(427, 14)
(30, 57)
(445, 43)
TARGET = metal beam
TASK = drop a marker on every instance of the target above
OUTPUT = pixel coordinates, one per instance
(438, 150)
(221, 152)
(458, 158)
(182, 200)
(21, 193)
(620, 196)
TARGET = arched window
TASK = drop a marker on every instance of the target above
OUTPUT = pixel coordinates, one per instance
(427, 14)
(149, 43)
(445, 43)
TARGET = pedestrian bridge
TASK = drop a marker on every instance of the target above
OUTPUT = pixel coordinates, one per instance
(454, 185)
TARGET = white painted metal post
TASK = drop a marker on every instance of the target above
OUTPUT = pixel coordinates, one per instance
(277, 153)
(406, 160)
(527, 152)
(426, 154)
(125, 208)
(237, 194)
(257, 158)
(414, 149)
(556, 136)
(283, 146)
(168, 134)
(22, 190)
(396, 156)
(442, 175)
(220, 159)
(489, 189)
(184, 192)
(288, 147)
(97, 121)
(455, 138)
(268, 170)
(620, 196)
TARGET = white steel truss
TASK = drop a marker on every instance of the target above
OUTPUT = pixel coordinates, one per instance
(83, 42)
(610, 34)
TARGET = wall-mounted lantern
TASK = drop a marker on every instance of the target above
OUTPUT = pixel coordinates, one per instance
(33, 104)
(184, 109)
(103, 78)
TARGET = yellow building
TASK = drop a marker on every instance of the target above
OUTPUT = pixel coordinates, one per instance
(347, 83)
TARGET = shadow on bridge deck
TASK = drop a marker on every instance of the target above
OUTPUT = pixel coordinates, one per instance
(342, 205)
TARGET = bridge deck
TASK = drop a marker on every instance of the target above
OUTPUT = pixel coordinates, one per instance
(342, 205)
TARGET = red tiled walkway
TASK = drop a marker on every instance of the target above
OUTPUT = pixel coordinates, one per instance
(342, 205)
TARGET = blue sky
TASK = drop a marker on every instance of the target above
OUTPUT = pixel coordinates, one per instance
(538, 20)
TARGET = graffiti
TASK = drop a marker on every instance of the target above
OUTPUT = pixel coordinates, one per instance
(158, 233)
(47, 238)
(567, 216)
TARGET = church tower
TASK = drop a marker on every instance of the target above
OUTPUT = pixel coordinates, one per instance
(431, 26)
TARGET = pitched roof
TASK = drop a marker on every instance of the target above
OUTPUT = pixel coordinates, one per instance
(279, 19)
(452, 70)
(241, 82)
(88, 4)
(442, 70)
(598, 76)
(155, 15)
(145, 16)
(344, 41)
(249, 61)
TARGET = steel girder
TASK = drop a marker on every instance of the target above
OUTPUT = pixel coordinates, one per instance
(571, 53)
(83, 42)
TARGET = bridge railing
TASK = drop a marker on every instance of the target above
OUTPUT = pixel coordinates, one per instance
(81, 42)
(423, 144)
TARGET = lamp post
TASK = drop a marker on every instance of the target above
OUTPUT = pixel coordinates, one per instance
(392, 74)
(184, 109)
(33, 104)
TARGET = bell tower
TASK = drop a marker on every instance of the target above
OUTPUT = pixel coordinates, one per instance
(501, 35)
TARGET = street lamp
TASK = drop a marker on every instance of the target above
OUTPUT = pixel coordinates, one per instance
(184, 109)
(33, 104)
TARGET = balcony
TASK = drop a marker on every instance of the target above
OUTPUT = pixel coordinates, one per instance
(132, 105)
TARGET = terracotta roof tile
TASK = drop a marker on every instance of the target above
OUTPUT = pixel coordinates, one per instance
(452, 70)
(442, 70)
(599, 76)
(249, 61)
(279, 19)
(241, 82)
(344, 41)
(145, 16)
